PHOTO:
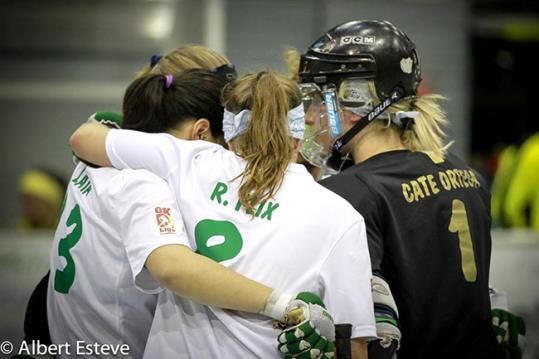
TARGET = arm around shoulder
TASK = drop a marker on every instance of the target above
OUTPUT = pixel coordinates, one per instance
(198, 278)
(88, 143)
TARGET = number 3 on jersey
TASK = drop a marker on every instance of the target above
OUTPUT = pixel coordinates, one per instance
(229, 246)
(459, 224)
(63, 279)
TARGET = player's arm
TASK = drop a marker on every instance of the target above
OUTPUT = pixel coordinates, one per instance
(107, 118)
(386, 313)
(159, 153)
(204, 281)
(387, 320)
(196, 277)
(385, 308)
(98, 144)
(508, 327)
(88, 143)
(359, 348)
(158, 251)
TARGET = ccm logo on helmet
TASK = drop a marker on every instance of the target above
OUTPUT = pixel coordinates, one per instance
(358, 40)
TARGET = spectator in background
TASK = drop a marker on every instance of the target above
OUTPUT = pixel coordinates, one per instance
(42, 192)
(521, 205)
(503, 173)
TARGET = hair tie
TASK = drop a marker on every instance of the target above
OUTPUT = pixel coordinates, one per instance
(226, 71)
(154, 59)
(168, 81)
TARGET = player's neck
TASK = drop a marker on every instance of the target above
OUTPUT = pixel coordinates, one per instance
(375, 142)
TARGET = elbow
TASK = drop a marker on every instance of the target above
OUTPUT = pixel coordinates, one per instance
(176, 281)
(76, 140)
(166, 277)
(169, 265)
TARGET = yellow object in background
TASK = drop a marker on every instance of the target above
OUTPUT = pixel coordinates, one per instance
(507, 162)
(42, 185)
(42, 196)
(521, 207)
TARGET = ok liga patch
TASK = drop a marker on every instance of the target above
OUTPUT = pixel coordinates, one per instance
(164, 220)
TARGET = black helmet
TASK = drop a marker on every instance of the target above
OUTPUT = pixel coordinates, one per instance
(369, 49)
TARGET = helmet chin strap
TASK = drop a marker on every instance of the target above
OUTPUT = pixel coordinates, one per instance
(335, 160)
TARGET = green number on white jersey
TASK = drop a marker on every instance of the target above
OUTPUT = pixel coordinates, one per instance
(63, 279)
(225, 233)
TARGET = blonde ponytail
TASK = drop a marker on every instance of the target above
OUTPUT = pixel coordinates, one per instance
(266, 146)
(291, 57)
(428, 132)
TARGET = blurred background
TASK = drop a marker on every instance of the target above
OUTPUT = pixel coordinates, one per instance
(63, 60)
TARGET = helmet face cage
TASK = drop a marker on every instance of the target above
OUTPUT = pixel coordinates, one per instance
(324, 115)
(322, 122)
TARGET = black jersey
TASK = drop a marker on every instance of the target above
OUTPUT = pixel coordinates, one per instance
(428, 228)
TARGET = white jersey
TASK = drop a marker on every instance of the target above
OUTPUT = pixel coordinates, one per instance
(306, 238)
(111, 221)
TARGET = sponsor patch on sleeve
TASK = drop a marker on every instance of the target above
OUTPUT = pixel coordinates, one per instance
(164, 219)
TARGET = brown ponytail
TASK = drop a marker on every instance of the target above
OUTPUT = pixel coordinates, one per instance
(267, 145)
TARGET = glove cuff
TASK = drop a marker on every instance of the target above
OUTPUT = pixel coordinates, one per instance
(276, 305)
(498, 299)
(109, 119)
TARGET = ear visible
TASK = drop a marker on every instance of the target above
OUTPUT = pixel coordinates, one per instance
(201, 130)
(352, 117)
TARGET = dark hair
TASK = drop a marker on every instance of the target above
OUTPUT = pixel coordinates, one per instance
(150, 107)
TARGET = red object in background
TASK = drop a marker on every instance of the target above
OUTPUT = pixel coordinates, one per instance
(424, 85)
(493, 163)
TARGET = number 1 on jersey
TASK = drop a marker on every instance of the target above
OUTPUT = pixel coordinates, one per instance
(459, 224)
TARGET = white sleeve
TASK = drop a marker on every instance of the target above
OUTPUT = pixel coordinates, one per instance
(149, 219)
(159, 153)
(138, 150)
(345, 280)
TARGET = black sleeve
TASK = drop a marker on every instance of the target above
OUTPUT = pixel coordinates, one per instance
(36, 325)
(368, 205)
(356, 191)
